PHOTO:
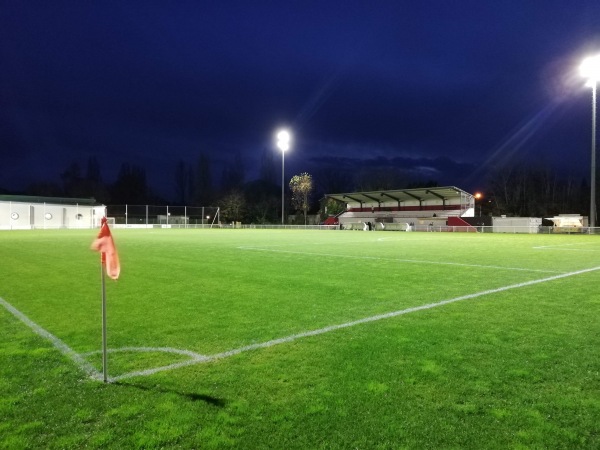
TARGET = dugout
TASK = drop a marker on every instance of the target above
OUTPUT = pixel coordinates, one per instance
(20, 212)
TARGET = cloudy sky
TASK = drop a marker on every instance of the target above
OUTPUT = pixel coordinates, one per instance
(443, 89)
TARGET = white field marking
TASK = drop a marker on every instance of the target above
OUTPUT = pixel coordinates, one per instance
(410, 261)
(177, 351)
(330, 328)
(561, 247)
(60, 345)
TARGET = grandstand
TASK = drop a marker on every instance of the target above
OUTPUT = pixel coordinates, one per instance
(435, 208)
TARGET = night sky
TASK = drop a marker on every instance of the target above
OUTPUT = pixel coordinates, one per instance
(445, 90)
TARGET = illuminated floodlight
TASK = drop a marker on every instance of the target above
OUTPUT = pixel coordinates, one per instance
(590, 69)
(283, 140)
(283, 143)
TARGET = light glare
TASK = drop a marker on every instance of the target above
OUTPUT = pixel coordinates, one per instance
(590, 69)
(283, 140)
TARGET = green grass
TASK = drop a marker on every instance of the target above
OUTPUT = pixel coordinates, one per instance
(515, 368)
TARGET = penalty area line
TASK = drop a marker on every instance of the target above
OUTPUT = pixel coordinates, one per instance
(294, 337)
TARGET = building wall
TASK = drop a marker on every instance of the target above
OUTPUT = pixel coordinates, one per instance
(27, 216)
(516, 224)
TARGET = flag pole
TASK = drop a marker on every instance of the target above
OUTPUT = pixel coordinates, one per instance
(104, 358)
(109, 265)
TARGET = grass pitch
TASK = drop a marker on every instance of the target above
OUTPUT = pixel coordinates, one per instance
(301, 339)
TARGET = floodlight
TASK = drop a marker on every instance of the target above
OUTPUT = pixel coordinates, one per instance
(590, 69)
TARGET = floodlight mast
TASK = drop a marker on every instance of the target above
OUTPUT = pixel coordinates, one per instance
(590, 69)
(283, 142)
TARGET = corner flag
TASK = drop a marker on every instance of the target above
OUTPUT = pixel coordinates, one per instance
(106, 246)
(109, 263)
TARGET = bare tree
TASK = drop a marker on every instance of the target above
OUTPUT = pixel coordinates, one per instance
(530, 191)
(182, 182)
(233, 174)
(267, 167)
(203, 194)
(233, 205)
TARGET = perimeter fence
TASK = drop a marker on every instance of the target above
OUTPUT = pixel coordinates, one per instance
(149, 216)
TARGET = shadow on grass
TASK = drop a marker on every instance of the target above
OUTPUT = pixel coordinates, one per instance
(189, 395)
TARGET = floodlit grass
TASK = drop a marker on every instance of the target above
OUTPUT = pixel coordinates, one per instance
(514, 368)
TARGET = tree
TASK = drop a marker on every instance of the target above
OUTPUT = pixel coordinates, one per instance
(262, 201)
(93, 170)
(267, 167)
(301, 186)
(331, 207)
(44, 189)
(182, 182)
(233, 206)
(130, 187)
(72, 180)
(533, 191)
(234, 174)
(203, 194)
(93, 182)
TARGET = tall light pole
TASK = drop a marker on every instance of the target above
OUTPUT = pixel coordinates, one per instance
(283, 142)
(590, 69)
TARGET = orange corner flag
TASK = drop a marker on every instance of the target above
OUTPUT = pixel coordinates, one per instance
(106, 246)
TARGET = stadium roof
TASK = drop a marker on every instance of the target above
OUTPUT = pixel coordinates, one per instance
(401, 195)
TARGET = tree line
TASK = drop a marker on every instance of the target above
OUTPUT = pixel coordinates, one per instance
(512, 190)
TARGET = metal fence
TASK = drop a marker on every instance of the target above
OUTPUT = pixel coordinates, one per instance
(144, 216)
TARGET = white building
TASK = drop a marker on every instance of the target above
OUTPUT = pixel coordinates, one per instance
(19, 212)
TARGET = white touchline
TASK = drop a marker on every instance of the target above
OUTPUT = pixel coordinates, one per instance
(197, 358)
(328, 329)
(410, 261)
(60, 345)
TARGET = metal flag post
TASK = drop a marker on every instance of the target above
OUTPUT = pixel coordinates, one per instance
(104, 351)
(109, 265)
